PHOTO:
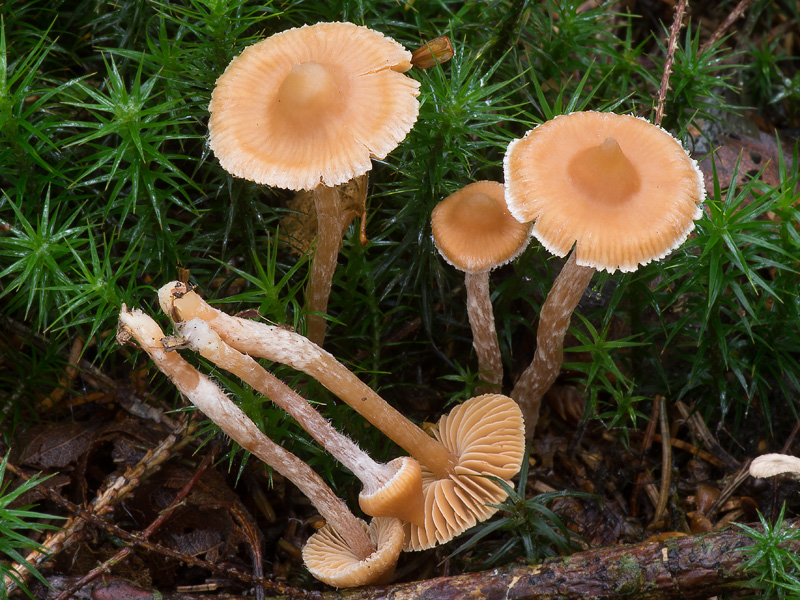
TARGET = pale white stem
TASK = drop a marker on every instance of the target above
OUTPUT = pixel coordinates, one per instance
(213, 402)
(206, 341)
(323, 264)
(484, 334)
(554, 321)
(288, 348)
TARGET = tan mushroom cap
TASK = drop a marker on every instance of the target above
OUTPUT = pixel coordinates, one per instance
(769, 465)
(474, 231)
(328, 557)
(487, 435)
(312, 104)
(624, 192)
(400, 497)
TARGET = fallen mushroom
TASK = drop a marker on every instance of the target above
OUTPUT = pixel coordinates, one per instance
(620, 190)
(390, 490)
(364, 544)
(769, 465)
(487, 435)
(474, 231)
(306, 109)
(456, 483)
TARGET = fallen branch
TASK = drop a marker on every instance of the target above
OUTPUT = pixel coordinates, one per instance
(689, 568)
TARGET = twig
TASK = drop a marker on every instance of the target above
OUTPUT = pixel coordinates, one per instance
(649, 435)
(666, 462)
(158, 522)
(103, 503)
(686, 568)
(677, 22)
(737, 12)
(136, 540)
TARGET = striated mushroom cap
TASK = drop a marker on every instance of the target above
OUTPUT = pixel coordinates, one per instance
(328, 557)
(474, 230)
(769, 465)
(624, 192)
(401, 497)
(487, 436)
(311, 105)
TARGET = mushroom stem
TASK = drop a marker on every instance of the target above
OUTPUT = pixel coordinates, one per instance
(484, 334)
(323, 264)
(554, 320)
(213, 402)
(376, 477)
(289, 348)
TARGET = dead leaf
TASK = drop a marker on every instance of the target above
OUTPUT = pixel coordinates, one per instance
(299, 229)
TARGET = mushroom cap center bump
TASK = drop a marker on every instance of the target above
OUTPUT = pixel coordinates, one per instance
(604, 173)
(309, 89)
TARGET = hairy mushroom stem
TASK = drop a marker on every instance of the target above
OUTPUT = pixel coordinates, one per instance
(288, 348)
(327, 202)
(393, 489)
(213, 402)
(484, 333)
(554, 319)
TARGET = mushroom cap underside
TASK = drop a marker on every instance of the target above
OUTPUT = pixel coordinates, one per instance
(328, 557)
(311, 105)
(474, 230)
(621, 190)
(487, 436)
(400, 497)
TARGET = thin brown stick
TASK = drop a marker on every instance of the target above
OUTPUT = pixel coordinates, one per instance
(677, 22)
(666, 463)
(737, 12)
(85, 516)
(103, 503)
(157, 522)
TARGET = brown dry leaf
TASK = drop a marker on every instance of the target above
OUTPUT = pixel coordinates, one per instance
(299, 229)
(755, 155)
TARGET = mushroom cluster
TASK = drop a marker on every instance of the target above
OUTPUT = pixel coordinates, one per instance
(446, 485)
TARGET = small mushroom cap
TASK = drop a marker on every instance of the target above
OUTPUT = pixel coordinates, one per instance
(312, 104)
(474, 231)
(401, 497)
(328, 558)
(487, 436)
(624, 192)
(769, 465)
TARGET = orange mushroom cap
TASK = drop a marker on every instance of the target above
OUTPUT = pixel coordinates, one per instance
(328, 557)
(312, 104)
(474, 230)
(487, 435)
(623, 191)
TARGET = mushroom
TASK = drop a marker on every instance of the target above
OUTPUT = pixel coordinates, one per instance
(454, 471)
(306, 109)
(769, 465)
(363, 544)
(474, 232)
(624, 192)
(393, 489)
(487, 435)
(330, 558)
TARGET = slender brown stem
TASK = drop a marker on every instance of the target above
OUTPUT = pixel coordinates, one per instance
(377, 478)
(737, 12)
(289, 348)
(554, 321)
(666, 462)
(210, 399)
(323, 264)
(677, 23)
(484, 334)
